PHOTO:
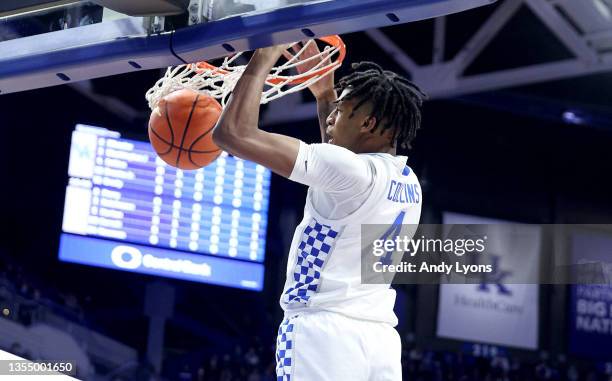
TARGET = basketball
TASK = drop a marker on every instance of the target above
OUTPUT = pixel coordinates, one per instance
(180, 129)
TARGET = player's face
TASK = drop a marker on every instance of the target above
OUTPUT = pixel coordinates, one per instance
(344, 124)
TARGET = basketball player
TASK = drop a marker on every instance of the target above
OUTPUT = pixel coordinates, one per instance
(335, 328)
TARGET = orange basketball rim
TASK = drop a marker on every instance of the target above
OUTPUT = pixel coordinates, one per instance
(333, 40)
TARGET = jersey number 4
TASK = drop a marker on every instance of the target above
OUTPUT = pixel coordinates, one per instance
(391, 233)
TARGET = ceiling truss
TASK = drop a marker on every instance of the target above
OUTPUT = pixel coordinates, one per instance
(584, 29)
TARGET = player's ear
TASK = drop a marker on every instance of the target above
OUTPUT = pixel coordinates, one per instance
(369, 123)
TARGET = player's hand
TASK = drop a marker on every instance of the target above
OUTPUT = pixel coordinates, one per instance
(273, 52)
(325, 85)
(264, 59)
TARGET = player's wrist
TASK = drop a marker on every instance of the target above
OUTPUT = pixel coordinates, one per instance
(261, 62)
(327, 95)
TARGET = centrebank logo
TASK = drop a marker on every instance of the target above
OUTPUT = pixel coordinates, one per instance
(126, 257)
(131, 258)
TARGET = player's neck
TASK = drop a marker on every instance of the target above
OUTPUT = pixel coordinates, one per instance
(389, 150)
(386, 149)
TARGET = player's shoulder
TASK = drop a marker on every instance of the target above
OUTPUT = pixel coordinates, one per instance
(389, 163)
(331, 149)
(339, 155)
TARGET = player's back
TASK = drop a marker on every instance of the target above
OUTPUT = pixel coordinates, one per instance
(324, 265)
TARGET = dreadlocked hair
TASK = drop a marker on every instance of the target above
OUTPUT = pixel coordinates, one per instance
(395, 99)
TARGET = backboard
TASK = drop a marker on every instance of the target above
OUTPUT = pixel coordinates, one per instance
(47, 43)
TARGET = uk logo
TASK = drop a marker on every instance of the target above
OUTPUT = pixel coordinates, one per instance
(495, 278)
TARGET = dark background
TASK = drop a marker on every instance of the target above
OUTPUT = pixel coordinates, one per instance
(507, 154)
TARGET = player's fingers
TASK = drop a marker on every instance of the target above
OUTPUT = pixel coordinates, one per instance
(296, 47)
(312, 50)
(307, 45)
(287, 55)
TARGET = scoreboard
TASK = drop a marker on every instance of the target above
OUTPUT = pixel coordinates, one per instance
(127, 209)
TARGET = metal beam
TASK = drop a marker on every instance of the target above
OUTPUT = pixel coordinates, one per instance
(391, 48)
(565, 32)
(444, 79)
(439, 45)
(474, 84)
(88, 52)
(484, 35)
(515, 77)
(599, 35)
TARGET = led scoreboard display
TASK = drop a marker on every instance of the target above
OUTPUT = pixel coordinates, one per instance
(126, 209)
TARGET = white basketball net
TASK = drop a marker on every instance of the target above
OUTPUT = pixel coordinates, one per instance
(220, 82)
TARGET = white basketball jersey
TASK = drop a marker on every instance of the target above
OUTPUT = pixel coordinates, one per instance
(324, 265)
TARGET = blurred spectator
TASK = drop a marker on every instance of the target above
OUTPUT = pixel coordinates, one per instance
(185, 374)
(145, 372)
(251, 357)
(201, 375)
(254, 376)
(572, 373)
(28, 355)
(417, 365)
(213, 370)
(25, 289)
(16, 349)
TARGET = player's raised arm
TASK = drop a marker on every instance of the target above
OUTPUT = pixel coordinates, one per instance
(323, 90)
(328, 167)
(237, 130)
(325, 106)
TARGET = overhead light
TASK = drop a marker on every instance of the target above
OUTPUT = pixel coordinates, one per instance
(603, 8)
(571, 117)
